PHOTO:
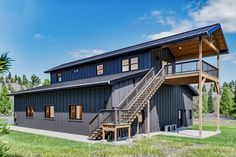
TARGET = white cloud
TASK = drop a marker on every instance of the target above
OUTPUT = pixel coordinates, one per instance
(38, 36)
(229, 58)
(199, 14)
(83, 53)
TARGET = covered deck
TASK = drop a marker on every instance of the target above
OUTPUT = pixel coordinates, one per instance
(189, 67)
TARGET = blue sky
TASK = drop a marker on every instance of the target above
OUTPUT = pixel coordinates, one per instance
(43, 34)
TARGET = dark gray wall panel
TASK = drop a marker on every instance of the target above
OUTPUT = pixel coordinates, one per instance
(92, 99)
(111, 66)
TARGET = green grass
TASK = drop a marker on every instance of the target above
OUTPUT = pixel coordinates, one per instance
(24, 144)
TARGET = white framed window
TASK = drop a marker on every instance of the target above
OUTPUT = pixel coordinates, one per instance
(134, 63)
(125, 65)
(100, 69)
(59, 78)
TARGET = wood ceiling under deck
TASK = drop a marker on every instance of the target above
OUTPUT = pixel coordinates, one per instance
(189, 49)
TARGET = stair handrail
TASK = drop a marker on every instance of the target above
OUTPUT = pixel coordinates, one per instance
(163, 71)
(134, 90)
(156, 75)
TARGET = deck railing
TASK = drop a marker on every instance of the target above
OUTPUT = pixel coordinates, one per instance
(191, 67)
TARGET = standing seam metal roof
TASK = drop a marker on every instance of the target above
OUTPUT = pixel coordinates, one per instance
(166, 40)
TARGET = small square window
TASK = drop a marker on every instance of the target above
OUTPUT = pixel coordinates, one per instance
(125, 65)
(75, 112)
(100, 69)
(29, 111)
(59, 78)
(49, 111)
(134, 63)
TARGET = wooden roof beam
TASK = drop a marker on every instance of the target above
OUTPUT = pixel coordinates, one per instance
(210, 44)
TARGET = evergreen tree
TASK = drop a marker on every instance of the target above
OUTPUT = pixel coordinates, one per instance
(1, 79)
(234, 100)
(204, 100)
(16, 79)
(210, 101)
(19, 80)
(231, 86)
(9, 76)
(226, 103)
(5, 102)
(24, 80)
(35, 81)
(46, 82)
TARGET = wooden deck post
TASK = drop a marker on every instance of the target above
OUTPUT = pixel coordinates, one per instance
(218, 94)
(115, 134)
(138, 125)
(200, 87)
(148, 117)
(129, 132)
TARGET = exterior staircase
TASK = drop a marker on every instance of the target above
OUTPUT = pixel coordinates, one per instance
(129, 109)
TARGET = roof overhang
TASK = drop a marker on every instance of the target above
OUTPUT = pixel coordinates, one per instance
(188, 41)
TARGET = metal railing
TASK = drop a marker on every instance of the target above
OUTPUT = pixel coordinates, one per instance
(115, 115)
(191, 67)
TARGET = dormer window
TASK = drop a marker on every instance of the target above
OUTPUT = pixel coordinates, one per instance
(100, 69)
(59, 79)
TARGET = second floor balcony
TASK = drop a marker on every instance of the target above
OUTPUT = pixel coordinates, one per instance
(181, 73)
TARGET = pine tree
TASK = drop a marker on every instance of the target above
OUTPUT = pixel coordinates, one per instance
(16, 79)
(9, 76)
(226, 103)
(46, 82)
(210, 101)
(204, 100)
(5, 102)
(35, 81)
(234, 100)
(24, 80)
(19, 80)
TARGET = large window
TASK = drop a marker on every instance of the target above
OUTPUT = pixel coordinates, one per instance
(29, 111)
(75, 112)
(134, 63)
(49, 111)
(100, 69)
(125, 65)
(59, 79)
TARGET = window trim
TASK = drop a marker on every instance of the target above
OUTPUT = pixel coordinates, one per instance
(76, 118)
(134, 63)
(102, 70)
(126, 65)
(29, 115)
(45, 106)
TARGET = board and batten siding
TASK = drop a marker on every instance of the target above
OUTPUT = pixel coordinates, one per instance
(164, 108)
(110, 66)
(92, 100)
(121, 89)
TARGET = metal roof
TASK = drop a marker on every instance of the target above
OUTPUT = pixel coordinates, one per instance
(94, 81)
(154, 43)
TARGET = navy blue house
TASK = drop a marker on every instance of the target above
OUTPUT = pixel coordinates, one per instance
(139, 89)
